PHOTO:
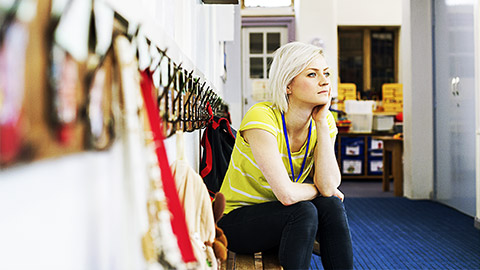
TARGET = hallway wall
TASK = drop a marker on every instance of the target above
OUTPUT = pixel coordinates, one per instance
(232, 87)
(320, 19)
(369, 12)
(80, 211)
(419, 100)
(416, 76)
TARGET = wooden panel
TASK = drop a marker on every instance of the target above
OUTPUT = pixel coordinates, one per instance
(316, 248)
(229, 264)
(367, 48)
(244, 262)
(270, 261)
(396, 39)
(258, 261)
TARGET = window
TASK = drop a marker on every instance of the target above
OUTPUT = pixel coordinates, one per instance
(368, 58)
(262, 42)
(351, 56)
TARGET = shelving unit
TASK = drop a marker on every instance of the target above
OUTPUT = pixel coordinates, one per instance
(359, 156)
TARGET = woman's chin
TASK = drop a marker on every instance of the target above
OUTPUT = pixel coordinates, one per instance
(322, 101)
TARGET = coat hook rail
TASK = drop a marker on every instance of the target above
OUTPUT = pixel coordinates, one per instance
(183, 98)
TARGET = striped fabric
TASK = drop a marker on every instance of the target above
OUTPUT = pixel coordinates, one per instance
(244, 183)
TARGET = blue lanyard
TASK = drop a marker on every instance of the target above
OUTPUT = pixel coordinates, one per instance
(288, 148)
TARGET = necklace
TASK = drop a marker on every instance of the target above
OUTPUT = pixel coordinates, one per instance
(288, 148)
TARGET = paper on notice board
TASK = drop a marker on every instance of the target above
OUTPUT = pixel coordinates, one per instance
(260, 90)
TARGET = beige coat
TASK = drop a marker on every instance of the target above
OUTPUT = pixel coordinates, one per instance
(196, 202)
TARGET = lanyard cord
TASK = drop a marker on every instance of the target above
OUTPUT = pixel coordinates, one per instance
(288, 148)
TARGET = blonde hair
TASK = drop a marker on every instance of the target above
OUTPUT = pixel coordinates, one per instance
(288, 61)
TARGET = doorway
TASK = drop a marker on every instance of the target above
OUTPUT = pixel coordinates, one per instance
(258, 46)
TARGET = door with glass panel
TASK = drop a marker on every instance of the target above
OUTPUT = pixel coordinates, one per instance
(258, 46)
(454, 104)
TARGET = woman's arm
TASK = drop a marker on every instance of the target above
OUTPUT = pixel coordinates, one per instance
(327, 174)
(337, 192)
(265, 151)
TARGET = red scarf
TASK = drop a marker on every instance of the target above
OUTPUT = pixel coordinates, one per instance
(179, 225)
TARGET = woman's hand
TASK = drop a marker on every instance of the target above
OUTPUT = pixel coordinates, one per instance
(339, 195)
(319, 113)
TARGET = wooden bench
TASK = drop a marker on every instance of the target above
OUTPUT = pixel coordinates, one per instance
(257, 261)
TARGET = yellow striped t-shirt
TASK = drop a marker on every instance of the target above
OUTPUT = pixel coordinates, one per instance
(244, 183)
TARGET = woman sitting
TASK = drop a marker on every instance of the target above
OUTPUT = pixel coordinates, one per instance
(279, 144)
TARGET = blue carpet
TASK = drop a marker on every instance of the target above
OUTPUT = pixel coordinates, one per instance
(397, 233)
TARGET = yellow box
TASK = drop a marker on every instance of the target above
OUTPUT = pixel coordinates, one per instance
(388, 92)
(342, 97)
(350, 96)
(393, 100)
(393, 107)
(392, 93)
(347, 88)
(395, 87)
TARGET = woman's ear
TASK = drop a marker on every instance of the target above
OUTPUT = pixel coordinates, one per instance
(289, 91)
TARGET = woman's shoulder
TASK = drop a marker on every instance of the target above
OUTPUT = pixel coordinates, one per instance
(261, 114)
(262, 110)
(265, 106)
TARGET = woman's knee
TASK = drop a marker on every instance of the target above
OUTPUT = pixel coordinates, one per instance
(329, 206)
(328, 202)
(305, 211)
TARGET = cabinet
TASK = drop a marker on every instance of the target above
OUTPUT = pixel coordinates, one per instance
(455, 84)
(359, 156)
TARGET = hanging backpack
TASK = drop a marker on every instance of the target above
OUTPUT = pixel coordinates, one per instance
(218, 141)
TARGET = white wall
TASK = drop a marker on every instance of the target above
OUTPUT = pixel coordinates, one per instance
(192, 31)
(369, 12)
(79, 211)
(68, 213)
(318, 19)
(233, 84)
(417, 78)
(416, 60)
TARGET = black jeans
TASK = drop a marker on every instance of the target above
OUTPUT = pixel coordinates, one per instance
(292, 230)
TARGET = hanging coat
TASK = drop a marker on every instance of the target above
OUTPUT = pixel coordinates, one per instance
(198, 212)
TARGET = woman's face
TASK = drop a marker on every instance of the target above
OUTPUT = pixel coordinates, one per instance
(312, 86)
